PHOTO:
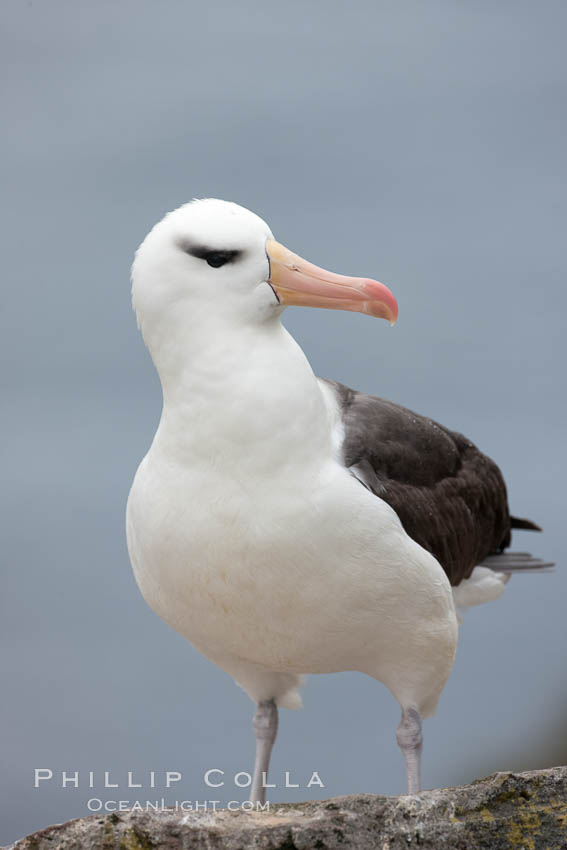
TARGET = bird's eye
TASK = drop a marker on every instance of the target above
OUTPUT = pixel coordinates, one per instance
(216, 259)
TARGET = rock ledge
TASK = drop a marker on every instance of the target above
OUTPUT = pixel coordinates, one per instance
(507, 810)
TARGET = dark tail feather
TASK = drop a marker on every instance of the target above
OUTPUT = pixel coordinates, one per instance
(527, 524)
(512, 562)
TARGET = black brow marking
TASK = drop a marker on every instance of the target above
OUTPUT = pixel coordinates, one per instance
(203, 251)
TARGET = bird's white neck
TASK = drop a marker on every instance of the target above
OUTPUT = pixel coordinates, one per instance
(241, 396)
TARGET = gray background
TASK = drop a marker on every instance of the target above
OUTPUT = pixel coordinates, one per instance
(420, 143)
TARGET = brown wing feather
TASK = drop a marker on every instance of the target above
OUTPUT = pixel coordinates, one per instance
(451, 499)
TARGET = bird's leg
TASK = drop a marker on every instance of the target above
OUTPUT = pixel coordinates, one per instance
(265, 729)
(410, 741)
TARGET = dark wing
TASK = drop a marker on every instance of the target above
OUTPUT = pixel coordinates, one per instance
(450, 498)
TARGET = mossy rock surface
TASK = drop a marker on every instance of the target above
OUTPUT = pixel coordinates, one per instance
(522, 811)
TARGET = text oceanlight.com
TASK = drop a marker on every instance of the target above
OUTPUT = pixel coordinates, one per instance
(95, 804)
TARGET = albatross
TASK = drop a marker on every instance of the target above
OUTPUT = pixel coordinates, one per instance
(285, 524)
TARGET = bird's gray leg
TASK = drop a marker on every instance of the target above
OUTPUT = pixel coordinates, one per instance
(265, 729)
(410, 741)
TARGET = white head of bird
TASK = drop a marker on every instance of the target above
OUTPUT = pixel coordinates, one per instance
(205, 261)
(212, 261)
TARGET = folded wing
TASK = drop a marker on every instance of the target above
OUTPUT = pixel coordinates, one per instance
(450, 498)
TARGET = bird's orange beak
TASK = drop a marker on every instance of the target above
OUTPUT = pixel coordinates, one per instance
(295, 281)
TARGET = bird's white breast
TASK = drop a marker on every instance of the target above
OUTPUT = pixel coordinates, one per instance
(303, 575)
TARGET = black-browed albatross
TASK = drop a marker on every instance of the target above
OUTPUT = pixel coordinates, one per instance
(285, 524)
